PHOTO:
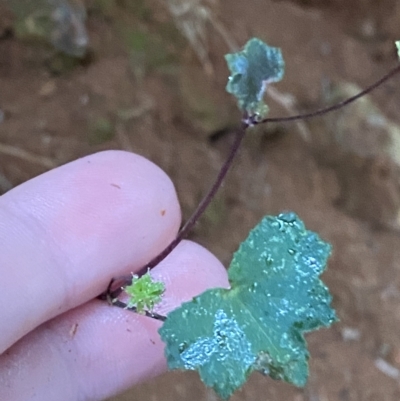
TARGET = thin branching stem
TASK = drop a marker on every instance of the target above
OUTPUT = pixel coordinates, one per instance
(336, 106)
(190, 223)
(111, 295)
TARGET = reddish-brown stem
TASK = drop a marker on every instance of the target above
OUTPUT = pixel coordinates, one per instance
(190, 223)
(247, 121)
(203, 204)
(336, 106)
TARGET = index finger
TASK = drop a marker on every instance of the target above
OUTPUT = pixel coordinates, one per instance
(64, 234)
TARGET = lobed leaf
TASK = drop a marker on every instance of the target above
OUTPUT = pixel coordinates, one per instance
(258, 324)
(251, 70)
(144, 293)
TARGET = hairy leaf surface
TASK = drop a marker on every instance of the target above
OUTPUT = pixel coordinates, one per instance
(258, 324)
(144, 293)
(251, 70)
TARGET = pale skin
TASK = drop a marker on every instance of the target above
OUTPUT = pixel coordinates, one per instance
(63, 236)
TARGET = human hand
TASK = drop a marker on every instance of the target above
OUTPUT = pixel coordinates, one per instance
(63, 236)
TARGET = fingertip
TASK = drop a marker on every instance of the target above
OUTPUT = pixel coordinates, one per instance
(104, 349)
(67, 232)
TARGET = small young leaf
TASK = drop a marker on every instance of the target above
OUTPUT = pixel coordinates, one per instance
(258, 324)
(398, 48)
(144, 293)
(251, 70)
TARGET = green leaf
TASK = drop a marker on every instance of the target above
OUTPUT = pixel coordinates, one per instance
(251, 70)
(398, 47)
(258, 324)
(144, 293)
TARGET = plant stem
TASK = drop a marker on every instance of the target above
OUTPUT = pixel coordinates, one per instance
(247, 121)
(336, 106)
(190, 223)
(123, 305)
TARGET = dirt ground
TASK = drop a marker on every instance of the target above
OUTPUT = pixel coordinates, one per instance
(143, 89)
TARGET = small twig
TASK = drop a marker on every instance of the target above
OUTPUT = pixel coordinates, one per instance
(24, 155)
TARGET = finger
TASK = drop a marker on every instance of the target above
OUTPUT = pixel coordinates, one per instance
(97, 350)
(66, 233)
